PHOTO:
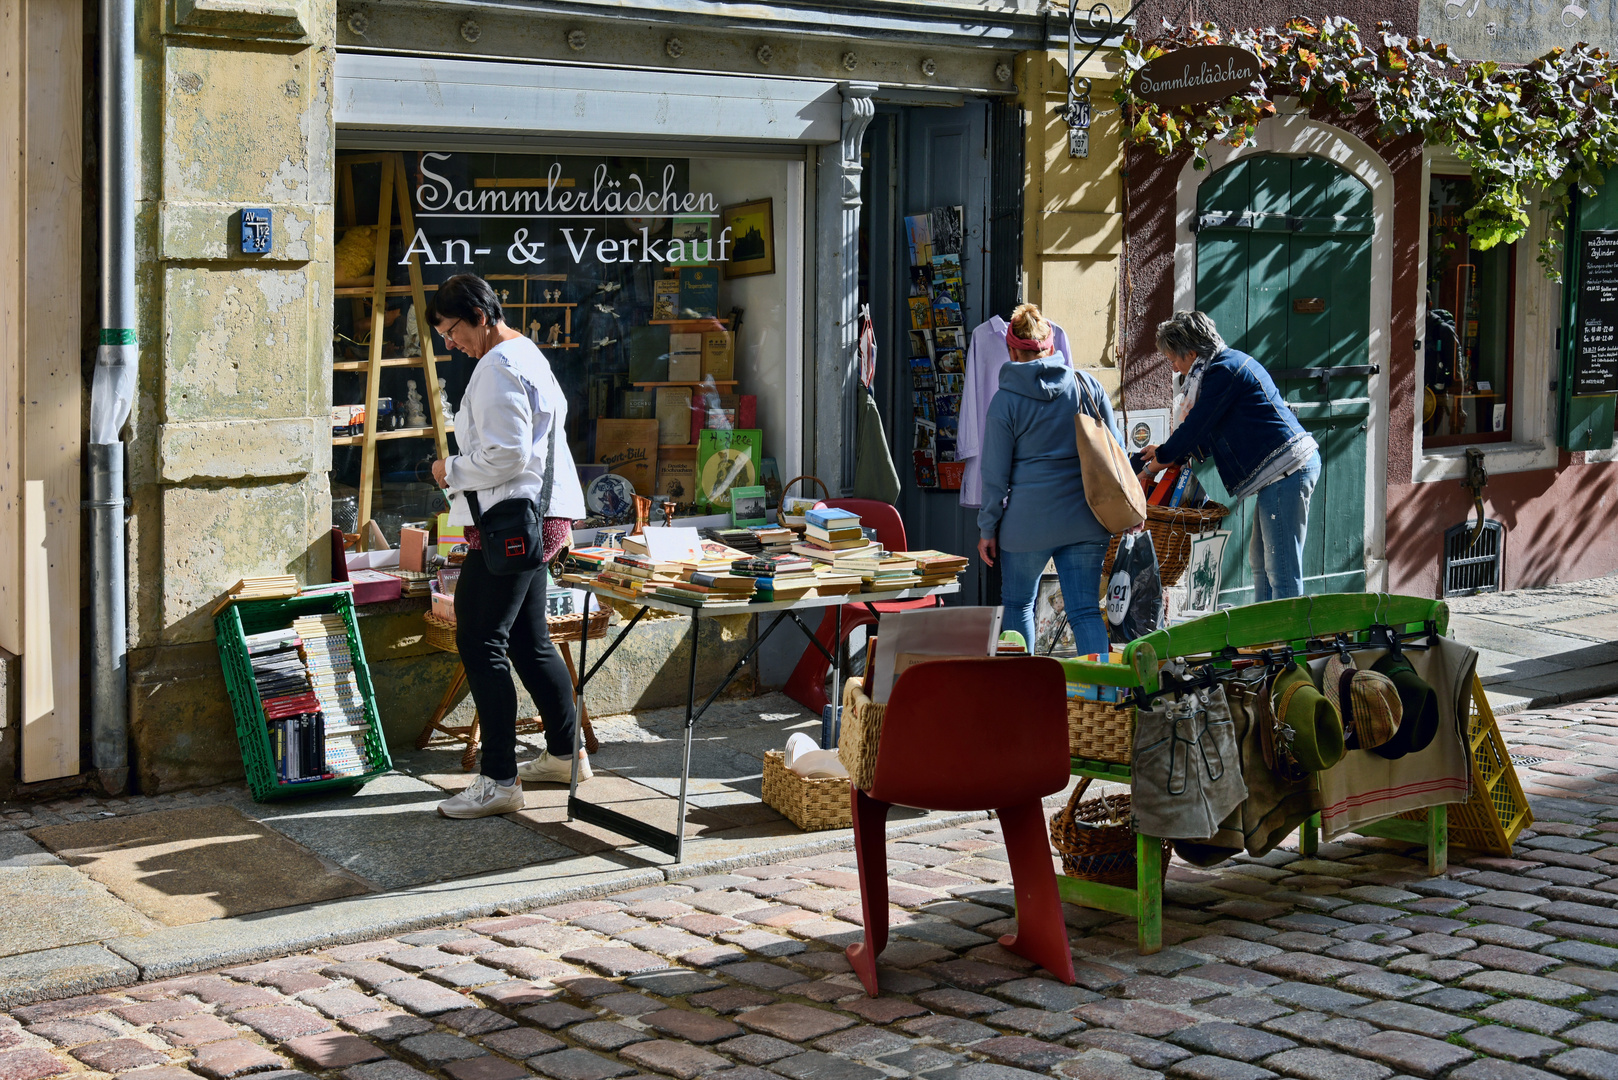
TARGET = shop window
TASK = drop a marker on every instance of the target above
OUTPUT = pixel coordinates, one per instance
(1467, 384)
(663, 291)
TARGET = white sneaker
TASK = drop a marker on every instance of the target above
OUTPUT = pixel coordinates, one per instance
(546, 769)
(484, 798)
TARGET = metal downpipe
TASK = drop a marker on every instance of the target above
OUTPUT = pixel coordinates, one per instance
(112, 395)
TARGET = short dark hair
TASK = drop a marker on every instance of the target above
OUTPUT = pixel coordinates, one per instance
(463, 297)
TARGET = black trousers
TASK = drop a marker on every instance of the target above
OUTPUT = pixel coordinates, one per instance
(500, 625)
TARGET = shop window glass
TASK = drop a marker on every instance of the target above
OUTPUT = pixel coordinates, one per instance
(660, 289)
(1468, 363)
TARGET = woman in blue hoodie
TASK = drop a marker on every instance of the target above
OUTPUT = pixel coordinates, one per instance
(1033, 490)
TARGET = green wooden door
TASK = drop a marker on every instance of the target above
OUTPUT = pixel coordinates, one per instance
(1284, 268)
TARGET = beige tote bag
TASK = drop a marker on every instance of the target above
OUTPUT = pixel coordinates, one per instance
(1110, 487)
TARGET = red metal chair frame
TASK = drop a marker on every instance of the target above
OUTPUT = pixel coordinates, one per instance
(971, 735)
(807, 686)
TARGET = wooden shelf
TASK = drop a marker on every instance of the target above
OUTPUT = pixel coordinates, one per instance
(700, 382)
(370, 290)
(387, 361)
(400, 433)
(703, 321)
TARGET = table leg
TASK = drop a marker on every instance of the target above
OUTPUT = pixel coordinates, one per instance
(444, 705)
(1309, 837)
(591, 743)
(837, 666)
(1149, 890)
(578, 707)
(690, 724)
(1437, 840)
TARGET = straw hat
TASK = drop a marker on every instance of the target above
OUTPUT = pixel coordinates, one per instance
(1317, 727)
(1367, 701)
(1419, 707)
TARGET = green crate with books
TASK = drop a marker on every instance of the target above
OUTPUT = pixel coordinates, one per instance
(300, 689)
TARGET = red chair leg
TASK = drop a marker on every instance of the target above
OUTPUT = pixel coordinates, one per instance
(1041, 934)
(807, 685)
(871, 849)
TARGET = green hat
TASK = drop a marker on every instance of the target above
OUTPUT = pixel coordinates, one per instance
(1317, 729)
(1367, 701)
(1420, 704)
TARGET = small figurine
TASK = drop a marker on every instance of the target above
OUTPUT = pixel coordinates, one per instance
(443, 404)
(555, 337)
(533, 331)
(411, 342)
(415, 413)
(602, 343)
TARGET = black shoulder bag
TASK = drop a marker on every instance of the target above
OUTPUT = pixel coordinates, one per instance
(513, 530)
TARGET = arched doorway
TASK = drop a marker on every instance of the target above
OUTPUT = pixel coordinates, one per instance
(1284, 267)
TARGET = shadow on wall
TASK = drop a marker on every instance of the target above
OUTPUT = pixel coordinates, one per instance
(1558, 526)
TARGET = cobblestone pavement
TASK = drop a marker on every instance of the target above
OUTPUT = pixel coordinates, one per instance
(1353, 965)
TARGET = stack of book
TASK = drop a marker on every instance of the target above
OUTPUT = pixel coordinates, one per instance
(330, 663)
(837, 581)
(936, 567)
(274, 587)
(589, 560)
(327, 589)
(416, 582)
(744, 540)
(699, 589)
(778, 577)
(713, 558)
(775, 539)
(291, 707)
(634, 577)
(834, 538)
(891, 573)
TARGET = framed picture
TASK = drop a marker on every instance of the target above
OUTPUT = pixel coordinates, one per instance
(1147, 427)
(747, 506)
(752, 238)
(690, 231)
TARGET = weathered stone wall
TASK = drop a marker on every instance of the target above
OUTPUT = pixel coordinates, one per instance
(229, 451)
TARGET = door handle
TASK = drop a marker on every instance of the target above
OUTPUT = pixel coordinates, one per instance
(1325, 374)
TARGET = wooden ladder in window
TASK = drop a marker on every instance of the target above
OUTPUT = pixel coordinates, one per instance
(392, 204)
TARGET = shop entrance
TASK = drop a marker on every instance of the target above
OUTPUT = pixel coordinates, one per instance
(918, 159)
(1284, 268)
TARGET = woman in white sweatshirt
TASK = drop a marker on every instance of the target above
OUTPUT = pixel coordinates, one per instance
(513, 416)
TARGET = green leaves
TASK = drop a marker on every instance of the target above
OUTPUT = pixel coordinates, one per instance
(1540, 131)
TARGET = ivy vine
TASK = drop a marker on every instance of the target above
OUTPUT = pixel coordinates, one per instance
(1544, 129)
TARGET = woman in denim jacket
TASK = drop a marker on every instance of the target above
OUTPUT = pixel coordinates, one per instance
(1234, 413)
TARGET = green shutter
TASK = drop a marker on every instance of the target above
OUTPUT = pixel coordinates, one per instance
(1584, 423)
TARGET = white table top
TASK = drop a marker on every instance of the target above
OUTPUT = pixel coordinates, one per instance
(807, 603)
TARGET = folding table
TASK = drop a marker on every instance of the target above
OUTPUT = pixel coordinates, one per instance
(673, 843)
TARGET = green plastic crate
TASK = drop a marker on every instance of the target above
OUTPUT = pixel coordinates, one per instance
(231, 628)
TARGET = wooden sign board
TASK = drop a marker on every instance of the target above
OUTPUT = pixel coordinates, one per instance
(1595, 353)
(1197, 75)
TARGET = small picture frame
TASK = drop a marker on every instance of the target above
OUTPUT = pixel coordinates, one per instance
(752, 238)
(747, 506)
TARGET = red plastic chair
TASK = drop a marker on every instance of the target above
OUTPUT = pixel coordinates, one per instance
(807, 686)
(971, 735)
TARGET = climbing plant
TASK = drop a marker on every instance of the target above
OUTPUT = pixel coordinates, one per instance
(1541, 130)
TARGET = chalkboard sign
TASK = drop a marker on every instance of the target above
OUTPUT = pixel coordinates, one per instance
(1595, 360)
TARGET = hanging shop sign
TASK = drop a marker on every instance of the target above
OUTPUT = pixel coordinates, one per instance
(1197, 75)
(1595, 354)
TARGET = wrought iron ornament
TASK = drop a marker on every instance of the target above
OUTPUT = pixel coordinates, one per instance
(1096, 27)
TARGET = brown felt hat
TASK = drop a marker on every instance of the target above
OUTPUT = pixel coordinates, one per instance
(1367, 700)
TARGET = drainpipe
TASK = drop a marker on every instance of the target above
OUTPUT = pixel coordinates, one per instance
(112, 395)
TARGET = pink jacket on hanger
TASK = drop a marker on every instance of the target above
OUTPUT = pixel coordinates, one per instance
(986, 354)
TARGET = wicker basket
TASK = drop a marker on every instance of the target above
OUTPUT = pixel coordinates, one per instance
(1173, 528)
(1106, 851)
(440, 633)
(811, 805)
(1100, 731)
(860, 734)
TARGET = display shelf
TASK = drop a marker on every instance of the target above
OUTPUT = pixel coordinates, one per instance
(370, 290)
(398, 433)
(689, 382)
(386, 361)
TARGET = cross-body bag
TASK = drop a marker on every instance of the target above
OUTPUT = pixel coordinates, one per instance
(1110, 488)
(513, 529)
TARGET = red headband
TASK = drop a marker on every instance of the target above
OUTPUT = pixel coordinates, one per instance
(1025, 344)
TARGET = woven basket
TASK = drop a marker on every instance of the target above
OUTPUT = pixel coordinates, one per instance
(860, 735)
(440, 633)
(811, 805)
(1099, 731)
(1173, 528)
(1105, 852)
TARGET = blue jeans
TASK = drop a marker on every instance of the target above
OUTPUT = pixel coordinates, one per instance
(1078, 567)
(1280, 521)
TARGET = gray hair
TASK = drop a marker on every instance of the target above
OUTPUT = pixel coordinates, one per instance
(1189, 332)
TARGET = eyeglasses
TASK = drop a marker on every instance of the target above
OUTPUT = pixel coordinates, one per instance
(448, 333)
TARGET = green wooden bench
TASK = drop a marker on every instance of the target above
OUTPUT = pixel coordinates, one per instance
(1275, 623)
